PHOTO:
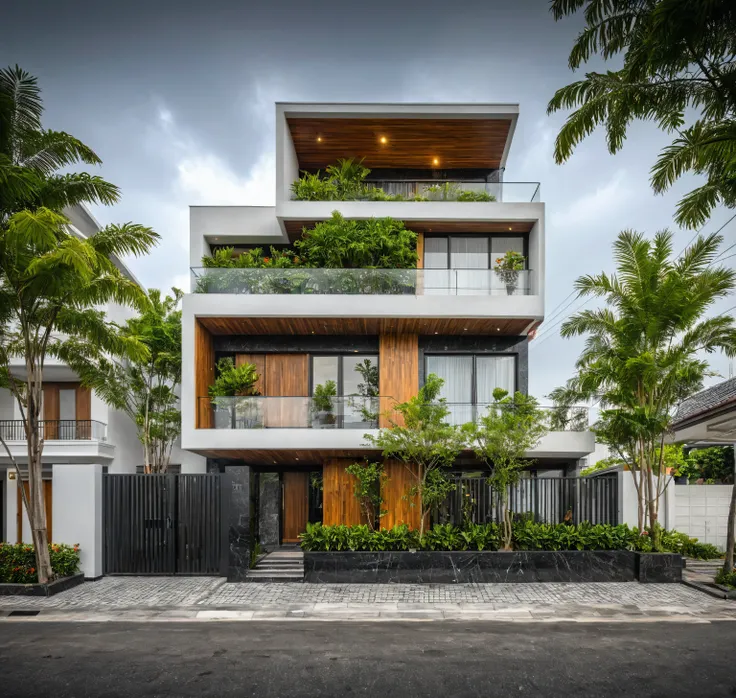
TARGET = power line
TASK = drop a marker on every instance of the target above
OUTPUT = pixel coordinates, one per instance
(554, 313)
(549, 332)
(549, 320)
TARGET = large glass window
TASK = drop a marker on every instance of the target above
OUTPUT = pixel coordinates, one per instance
(354, 386)
(460, 263)
(469, 381)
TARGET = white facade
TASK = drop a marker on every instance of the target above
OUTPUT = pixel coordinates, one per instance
(249, 226)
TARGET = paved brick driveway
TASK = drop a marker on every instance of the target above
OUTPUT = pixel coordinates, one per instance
(206, 592)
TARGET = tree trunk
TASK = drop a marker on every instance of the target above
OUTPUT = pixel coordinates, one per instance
(728, 564)
(37, 513)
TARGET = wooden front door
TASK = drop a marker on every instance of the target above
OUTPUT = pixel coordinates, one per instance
(21, 513)
(294, 505)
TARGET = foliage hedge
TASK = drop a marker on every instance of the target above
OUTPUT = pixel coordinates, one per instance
(527, 535)
(18, 562)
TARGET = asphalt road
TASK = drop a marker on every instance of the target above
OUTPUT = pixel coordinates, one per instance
(381, 660)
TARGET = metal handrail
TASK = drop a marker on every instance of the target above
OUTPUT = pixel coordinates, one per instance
(56, 430)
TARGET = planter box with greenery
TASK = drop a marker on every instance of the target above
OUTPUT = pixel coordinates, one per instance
(18, 575)
(541, 553)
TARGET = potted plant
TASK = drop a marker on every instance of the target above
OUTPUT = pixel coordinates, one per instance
(508, 268)
(323, 405)
(231, 381)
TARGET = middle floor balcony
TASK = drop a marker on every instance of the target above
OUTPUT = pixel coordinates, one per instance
(267, 424)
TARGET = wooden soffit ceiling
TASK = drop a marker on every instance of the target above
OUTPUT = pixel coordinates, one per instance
(363, 326)
(410, 143)
(294, 227)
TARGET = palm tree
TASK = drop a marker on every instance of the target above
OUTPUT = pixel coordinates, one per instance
(31, 156)
(678, 58)
(643, 351)
(51, 280)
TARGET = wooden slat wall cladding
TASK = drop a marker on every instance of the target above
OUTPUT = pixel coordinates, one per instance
(287, 375)
(412, 142)
(204, 373)
(398, 365)
(295, 502)
(259, 360)
(399, 510)
(339, 503)
(420, 251)
(364, 326)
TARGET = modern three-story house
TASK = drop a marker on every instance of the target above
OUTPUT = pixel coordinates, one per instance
(370, 335)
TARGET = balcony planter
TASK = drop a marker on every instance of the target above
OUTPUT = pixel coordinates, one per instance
(323, 419)
(426, 567)
(42, 589)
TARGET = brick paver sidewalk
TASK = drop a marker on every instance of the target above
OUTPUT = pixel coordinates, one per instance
(180, 598)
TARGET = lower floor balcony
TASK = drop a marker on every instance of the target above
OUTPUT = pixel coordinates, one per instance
(64, 441)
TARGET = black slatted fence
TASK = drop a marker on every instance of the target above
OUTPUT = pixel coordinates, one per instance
(162, 524)
(545, 499)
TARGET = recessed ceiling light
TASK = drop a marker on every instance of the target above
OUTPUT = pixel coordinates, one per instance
(384, 139)
(436, 332)
(436, 161)
(319, 139)
(465, 329)
(498, 328)
(510, 228)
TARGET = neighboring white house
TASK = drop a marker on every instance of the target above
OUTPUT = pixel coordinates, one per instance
(83, 437)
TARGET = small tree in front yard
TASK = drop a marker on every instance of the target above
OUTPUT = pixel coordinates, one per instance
(368, 479)
(420, 436)
(148, 390)
(511, 427)
(50, 284)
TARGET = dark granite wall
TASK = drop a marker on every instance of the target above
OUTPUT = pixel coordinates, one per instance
(282, 344)
(237, 520)
(269, 510)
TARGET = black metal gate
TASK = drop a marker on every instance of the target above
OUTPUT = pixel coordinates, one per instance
(544, 499)
(162, 524)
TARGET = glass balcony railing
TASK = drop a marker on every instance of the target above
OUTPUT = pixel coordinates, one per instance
(437, 190)
(352, 412)
(258, 412)
(56, 430)
(380, 282)
(556, 418)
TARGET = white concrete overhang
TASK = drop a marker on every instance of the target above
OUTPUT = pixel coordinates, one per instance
(62, 451)
(363, 306)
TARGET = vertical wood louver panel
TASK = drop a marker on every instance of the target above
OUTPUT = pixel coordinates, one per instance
(204, 374)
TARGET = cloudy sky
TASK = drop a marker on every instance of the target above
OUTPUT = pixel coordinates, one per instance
(177, 97)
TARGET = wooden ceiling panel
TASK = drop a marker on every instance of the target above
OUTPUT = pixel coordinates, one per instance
(294, 227)
(410, 143)
(363, 326)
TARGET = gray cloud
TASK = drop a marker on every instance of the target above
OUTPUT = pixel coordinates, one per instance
(177, 98)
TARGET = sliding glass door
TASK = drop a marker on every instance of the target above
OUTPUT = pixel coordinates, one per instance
(345, 391)
(469, 381)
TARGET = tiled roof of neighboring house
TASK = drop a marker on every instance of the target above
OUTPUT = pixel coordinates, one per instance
(707, 400)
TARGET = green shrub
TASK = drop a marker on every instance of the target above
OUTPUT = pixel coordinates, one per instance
(312, 187)
(468, 195)
(340, 243)
(234, 380)
(527, 535)
(18, 562)
(726, 578)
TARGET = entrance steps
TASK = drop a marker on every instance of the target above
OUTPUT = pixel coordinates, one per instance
(279, 566)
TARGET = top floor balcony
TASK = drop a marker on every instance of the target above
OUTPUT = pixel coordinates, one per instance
(420, 190)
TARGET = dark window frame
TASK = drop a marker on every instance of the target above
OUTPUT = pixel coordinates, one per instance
(474, 373)
(340, 372)
(489, 236)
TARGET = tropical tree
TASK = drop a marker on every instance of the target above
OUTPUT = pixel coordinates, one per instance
(678, 63)
(367, 490)
(51, 286)
(31, 157)
(147, 390)
(511, 426)
(643, 350)
(420, 436)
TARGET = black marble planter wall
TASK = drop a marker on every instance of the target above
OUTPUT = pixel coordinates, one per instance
(269, 510)
(42, 589)
(462, 567)
(236, 521)
(659, 567)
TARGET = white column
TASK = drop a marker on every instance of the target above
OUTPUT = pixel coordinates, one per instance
(77, 511)
(628, 505)
(11, 506)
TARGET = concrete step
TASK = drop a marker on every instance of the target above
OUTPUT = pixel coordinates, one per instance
(279, 566)
(257, 575)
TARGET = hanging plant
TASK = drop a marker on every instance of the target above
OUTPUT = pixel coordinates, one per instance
(508, 268)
